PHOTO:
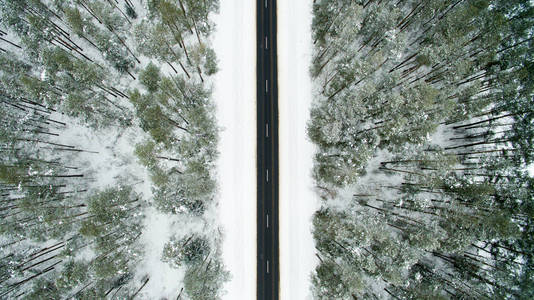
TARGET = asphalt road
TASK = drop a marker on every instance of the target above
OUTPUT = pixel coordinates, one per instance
(267, 135)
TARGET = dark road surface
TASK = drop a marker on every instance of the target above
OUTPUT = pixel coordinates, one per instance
(267, 110)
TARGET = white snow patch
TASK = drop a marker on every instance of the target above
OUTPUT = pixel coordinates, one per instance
(298, 201)
(109, 158)
(235, 98)
(164, 280)
(441, 137)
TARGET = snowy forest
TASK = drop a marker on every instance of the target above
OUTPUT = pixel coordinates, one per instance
(107, 125)
(423, 122)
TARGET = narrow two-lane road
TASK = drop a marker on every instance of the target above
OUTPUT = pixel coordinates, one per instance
(267, 141)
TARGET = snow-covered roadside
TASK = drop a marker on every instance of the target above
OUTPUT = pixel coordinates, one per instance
(297, 198)
(235, 97)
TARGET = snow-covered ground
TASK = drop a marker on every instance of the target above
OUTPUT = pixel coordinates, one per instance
(235, 97)
(109, 161)
(297, 198)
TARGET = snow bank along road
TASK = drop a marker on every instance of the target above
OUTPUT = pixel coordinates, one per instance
(298, 200)
(235, 45)
(267, 153)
